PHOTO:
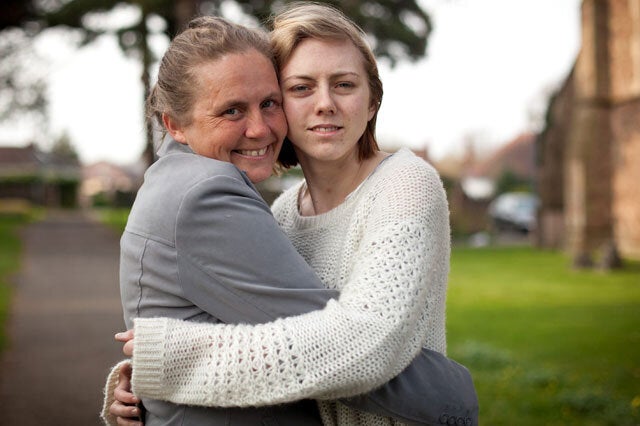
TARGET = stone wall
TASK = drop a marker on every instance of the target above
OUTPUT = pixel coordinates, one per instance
(591, 146)
(550, 155)
(626, 178)
(625, 123)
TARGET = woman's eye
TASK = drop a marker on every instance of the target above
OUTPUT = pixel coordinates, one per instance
(270, 104)
(231, 111)
(299, 88)
(345, 85)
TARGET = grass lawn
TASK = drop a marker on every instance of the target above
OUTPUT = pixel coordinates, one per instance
(546, 345)
(9, 262)
(114, 218)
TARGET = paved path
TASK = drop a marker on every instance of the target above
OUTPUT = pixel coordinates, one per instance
(65, 310)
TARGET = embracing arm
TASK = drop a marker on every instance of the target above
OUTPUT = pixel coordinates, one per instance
(351, 346)
(234, 261)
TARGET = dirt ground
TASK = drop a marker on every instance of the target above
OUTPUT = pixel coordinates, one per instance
(65, 310)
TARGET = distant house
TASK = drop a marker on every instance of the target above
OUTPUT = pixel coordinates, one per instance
(510, 168)
(41, 178)
(473, 183)
(105, 183)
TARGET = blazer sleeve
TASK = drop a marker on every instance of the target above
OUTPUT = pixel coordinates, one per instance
(234, 262)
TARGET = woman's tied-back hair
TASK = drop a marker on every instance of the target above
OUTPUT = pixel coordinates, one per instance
(205, 39)
(302, 20)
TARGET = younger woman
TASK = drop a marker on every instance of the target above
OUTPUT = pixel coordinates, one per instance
(372, 225)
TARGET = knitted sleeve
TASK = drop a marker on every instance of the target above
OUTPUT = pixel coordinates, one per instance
(109, 398)
(351, 346)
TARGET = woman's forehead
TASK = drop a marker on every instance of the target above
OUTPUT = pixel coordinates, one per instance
(236, 78)
(312, 55)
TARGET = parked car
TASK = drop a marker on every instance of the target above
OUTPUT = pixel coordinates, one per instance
(514, 211)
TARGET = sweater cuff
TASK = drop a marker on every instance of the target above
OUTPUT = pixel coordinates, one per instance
(148, 357)
(109, 398)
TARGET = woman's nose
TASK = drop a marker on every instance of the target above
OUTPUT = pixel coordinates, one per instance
(257, 127)
(325, 103)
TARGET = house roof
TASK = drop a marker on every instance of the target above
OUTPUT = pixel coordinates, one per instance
(18, 155)
(30, 160)
(517, 156)
(19, 160)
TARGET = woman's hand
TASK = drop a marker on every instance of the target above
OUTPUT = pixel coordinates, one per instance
(124, 406)
(127, 338)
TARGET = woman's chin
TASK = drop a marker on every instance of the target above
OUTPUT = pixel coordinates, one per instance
(257, 168)
(259, 174)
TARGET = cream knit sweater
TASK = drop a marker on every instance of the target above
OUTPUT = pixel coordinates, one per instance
(386, 248)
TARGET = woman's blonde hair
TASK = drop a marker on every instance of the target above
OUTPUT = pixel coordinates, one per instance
(205, 39)
(302, 20)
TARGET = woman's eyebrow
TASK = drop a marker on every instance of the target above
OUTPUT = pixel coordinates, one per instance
(298, 77)
(232, 104)
(335, 75)
(242, 103)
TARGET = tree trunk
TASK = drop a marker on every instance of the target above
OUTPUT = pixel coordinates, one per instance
(148, 155)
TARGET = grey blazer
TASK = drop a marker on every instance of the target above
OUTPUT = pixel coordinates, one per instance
(202, 245)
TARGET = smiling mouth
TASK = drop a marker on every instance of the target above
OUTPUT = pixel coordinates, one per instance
(253, 152)
(325, 129)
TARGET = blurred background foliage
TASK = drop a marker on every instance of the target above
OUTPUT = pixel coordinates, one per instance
(398, 30)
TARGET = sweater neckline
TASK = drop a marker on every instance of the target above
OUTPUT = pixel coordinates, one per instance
(328, 217)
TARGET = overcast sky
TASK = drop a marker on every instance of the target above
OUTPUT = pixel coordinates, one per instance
(490, 67)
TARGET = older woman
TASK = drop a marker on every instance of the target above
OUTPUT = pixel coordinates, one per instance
(200, 243)
(373, 225)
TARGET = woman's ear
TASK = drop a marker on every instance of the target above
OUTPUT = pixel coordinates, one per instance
(174, 128)
(373, 108)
